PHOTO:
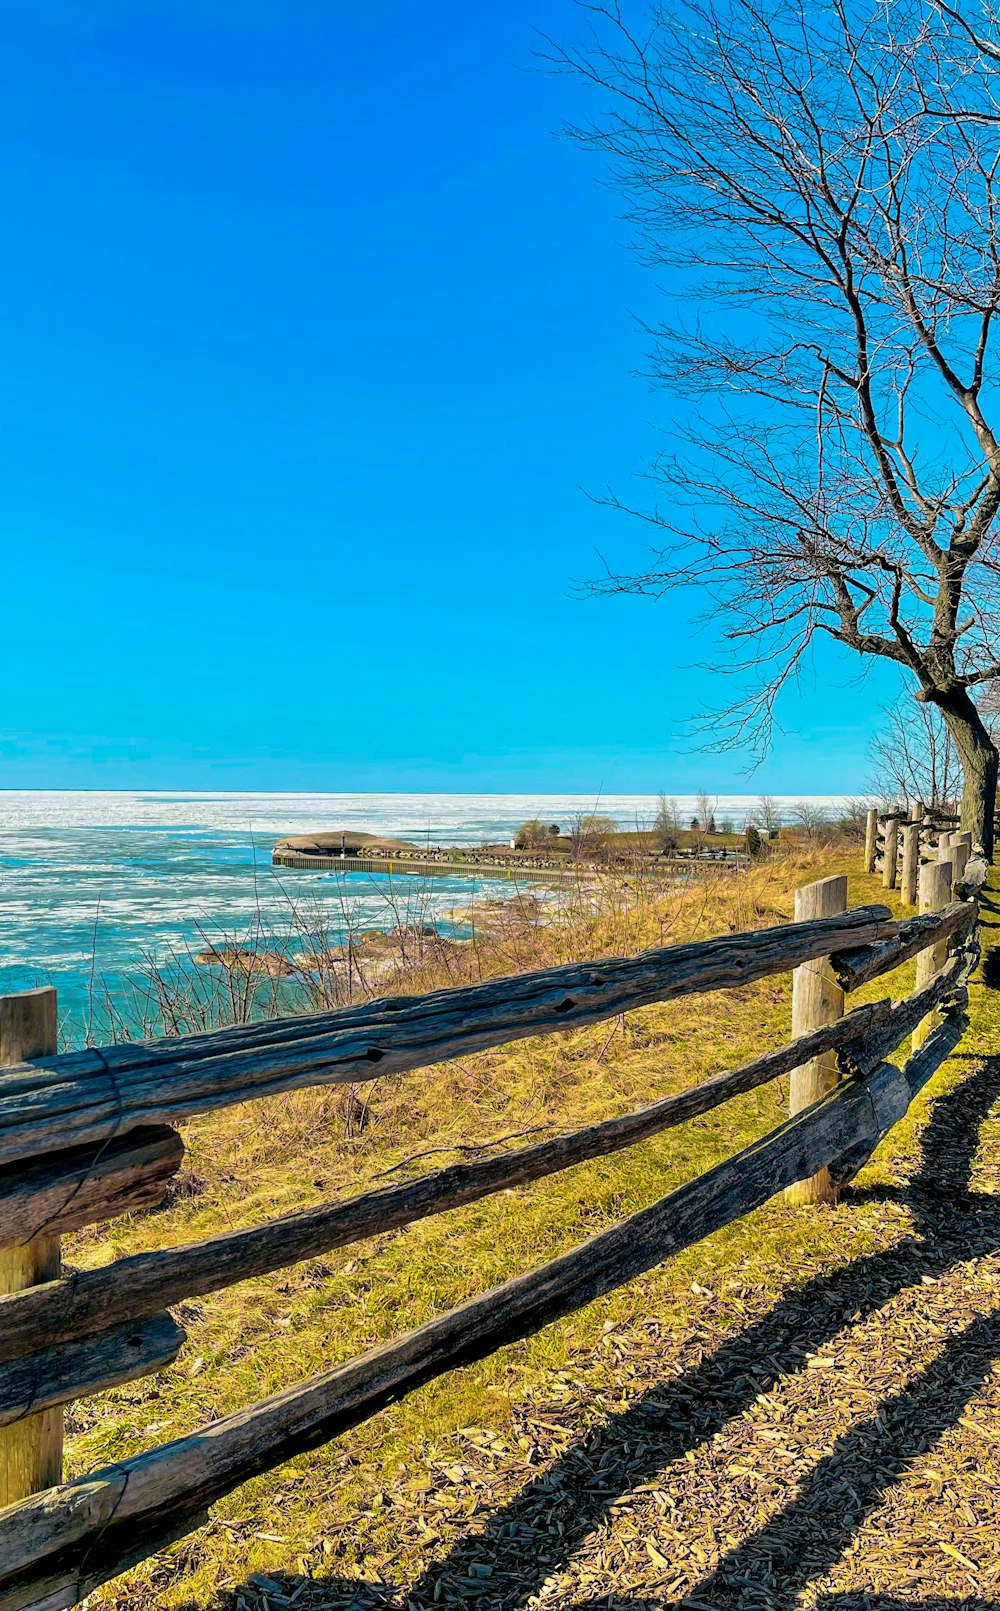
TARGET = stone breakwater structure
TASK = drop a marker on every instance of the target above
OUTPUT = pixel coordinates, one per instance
(352, 851)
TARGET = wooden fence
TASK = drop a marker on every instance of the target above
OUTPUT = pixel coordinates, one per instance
(85, 1135)
(896, 842)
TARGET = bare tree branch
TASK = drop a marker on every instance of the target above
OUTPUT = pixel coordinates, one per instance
(821, 177)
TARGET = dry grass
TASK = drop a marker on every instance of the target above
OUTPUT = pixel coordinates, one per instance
(639, 1450)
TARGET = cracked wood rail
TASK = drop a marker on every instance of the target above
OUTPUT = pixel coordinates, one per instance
(59, 1374)
(93, 1095)
(857, 967)
(60, 1191)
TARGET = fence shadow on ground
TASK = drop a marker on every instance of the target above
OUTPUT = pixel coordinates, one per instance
(806, 1538)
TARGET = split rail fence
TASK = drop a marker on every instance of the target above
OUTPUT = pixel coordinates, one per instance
(86, 1135)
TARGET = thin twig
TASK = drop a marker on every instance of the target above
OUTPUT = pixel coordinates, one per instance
(458, 1146)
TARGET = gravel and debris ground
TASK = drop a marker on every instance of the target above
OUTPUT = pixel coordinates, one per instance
(840, 1449)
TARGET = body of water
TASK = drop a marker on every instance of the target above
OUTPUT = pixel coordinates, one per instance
(95, 888)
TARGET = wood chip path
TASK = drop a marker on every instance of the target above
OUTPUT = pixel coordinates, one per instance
(838, 1448)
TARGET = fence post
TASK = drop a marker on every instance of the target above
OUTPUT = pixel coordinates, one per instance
(935, 891)
(30, 1450)
(889, 848)
(944, 847)
(871, 839)
(961, 850)
(817, 999)
(911, 862)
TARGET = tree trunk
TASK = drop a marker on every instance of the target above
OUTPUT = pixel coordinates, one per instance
(978, 755)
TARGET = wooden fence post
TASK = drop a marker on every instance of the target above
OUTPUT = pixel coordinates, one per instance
(961, 850)
(817, 999)
(889, 848)
(871, 839)
(911, 862)
(30, 1450)
(935, 892)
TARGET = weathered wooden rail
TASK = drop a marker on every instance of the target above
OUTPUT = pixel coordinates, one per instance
(85, 1135)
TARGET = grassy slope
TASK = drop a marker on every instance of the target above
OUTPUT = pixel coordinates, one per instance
(339, 1509)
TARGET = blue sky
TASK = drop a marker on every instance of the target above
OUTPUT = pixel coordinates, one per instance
(314, 339)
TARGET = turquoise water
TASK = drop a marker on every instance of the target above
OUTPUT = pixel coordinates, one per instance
(97, 889)
(95, 910)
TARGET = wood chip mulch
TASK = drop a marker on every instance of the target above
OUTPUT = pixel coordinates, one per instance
(838, 1448)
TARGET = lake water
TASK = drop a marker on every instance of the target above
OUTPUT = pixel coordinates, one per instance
(95, 886)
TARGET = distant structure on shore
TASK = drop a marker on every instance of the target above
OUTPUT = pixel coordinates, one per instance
(343, 842)
(556, 857)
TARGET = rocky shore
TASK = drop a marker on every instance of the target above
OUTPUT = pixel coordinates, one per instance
(379, 954)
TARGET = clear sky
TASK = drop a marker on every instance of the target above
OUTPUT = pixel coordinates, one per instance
(314, 339)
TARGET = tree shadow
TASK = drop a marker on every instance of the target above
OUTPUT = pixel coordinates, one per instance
(678, 1416)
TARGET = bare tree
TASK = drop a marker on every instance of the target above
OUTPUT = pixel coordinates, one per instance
(531, 833)
(811, 816)
(770, 816)
(822, 179)
(667, 823)
(667, 816)
(590, 834)
(914, 758)
(853, 817)
(705, 807)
